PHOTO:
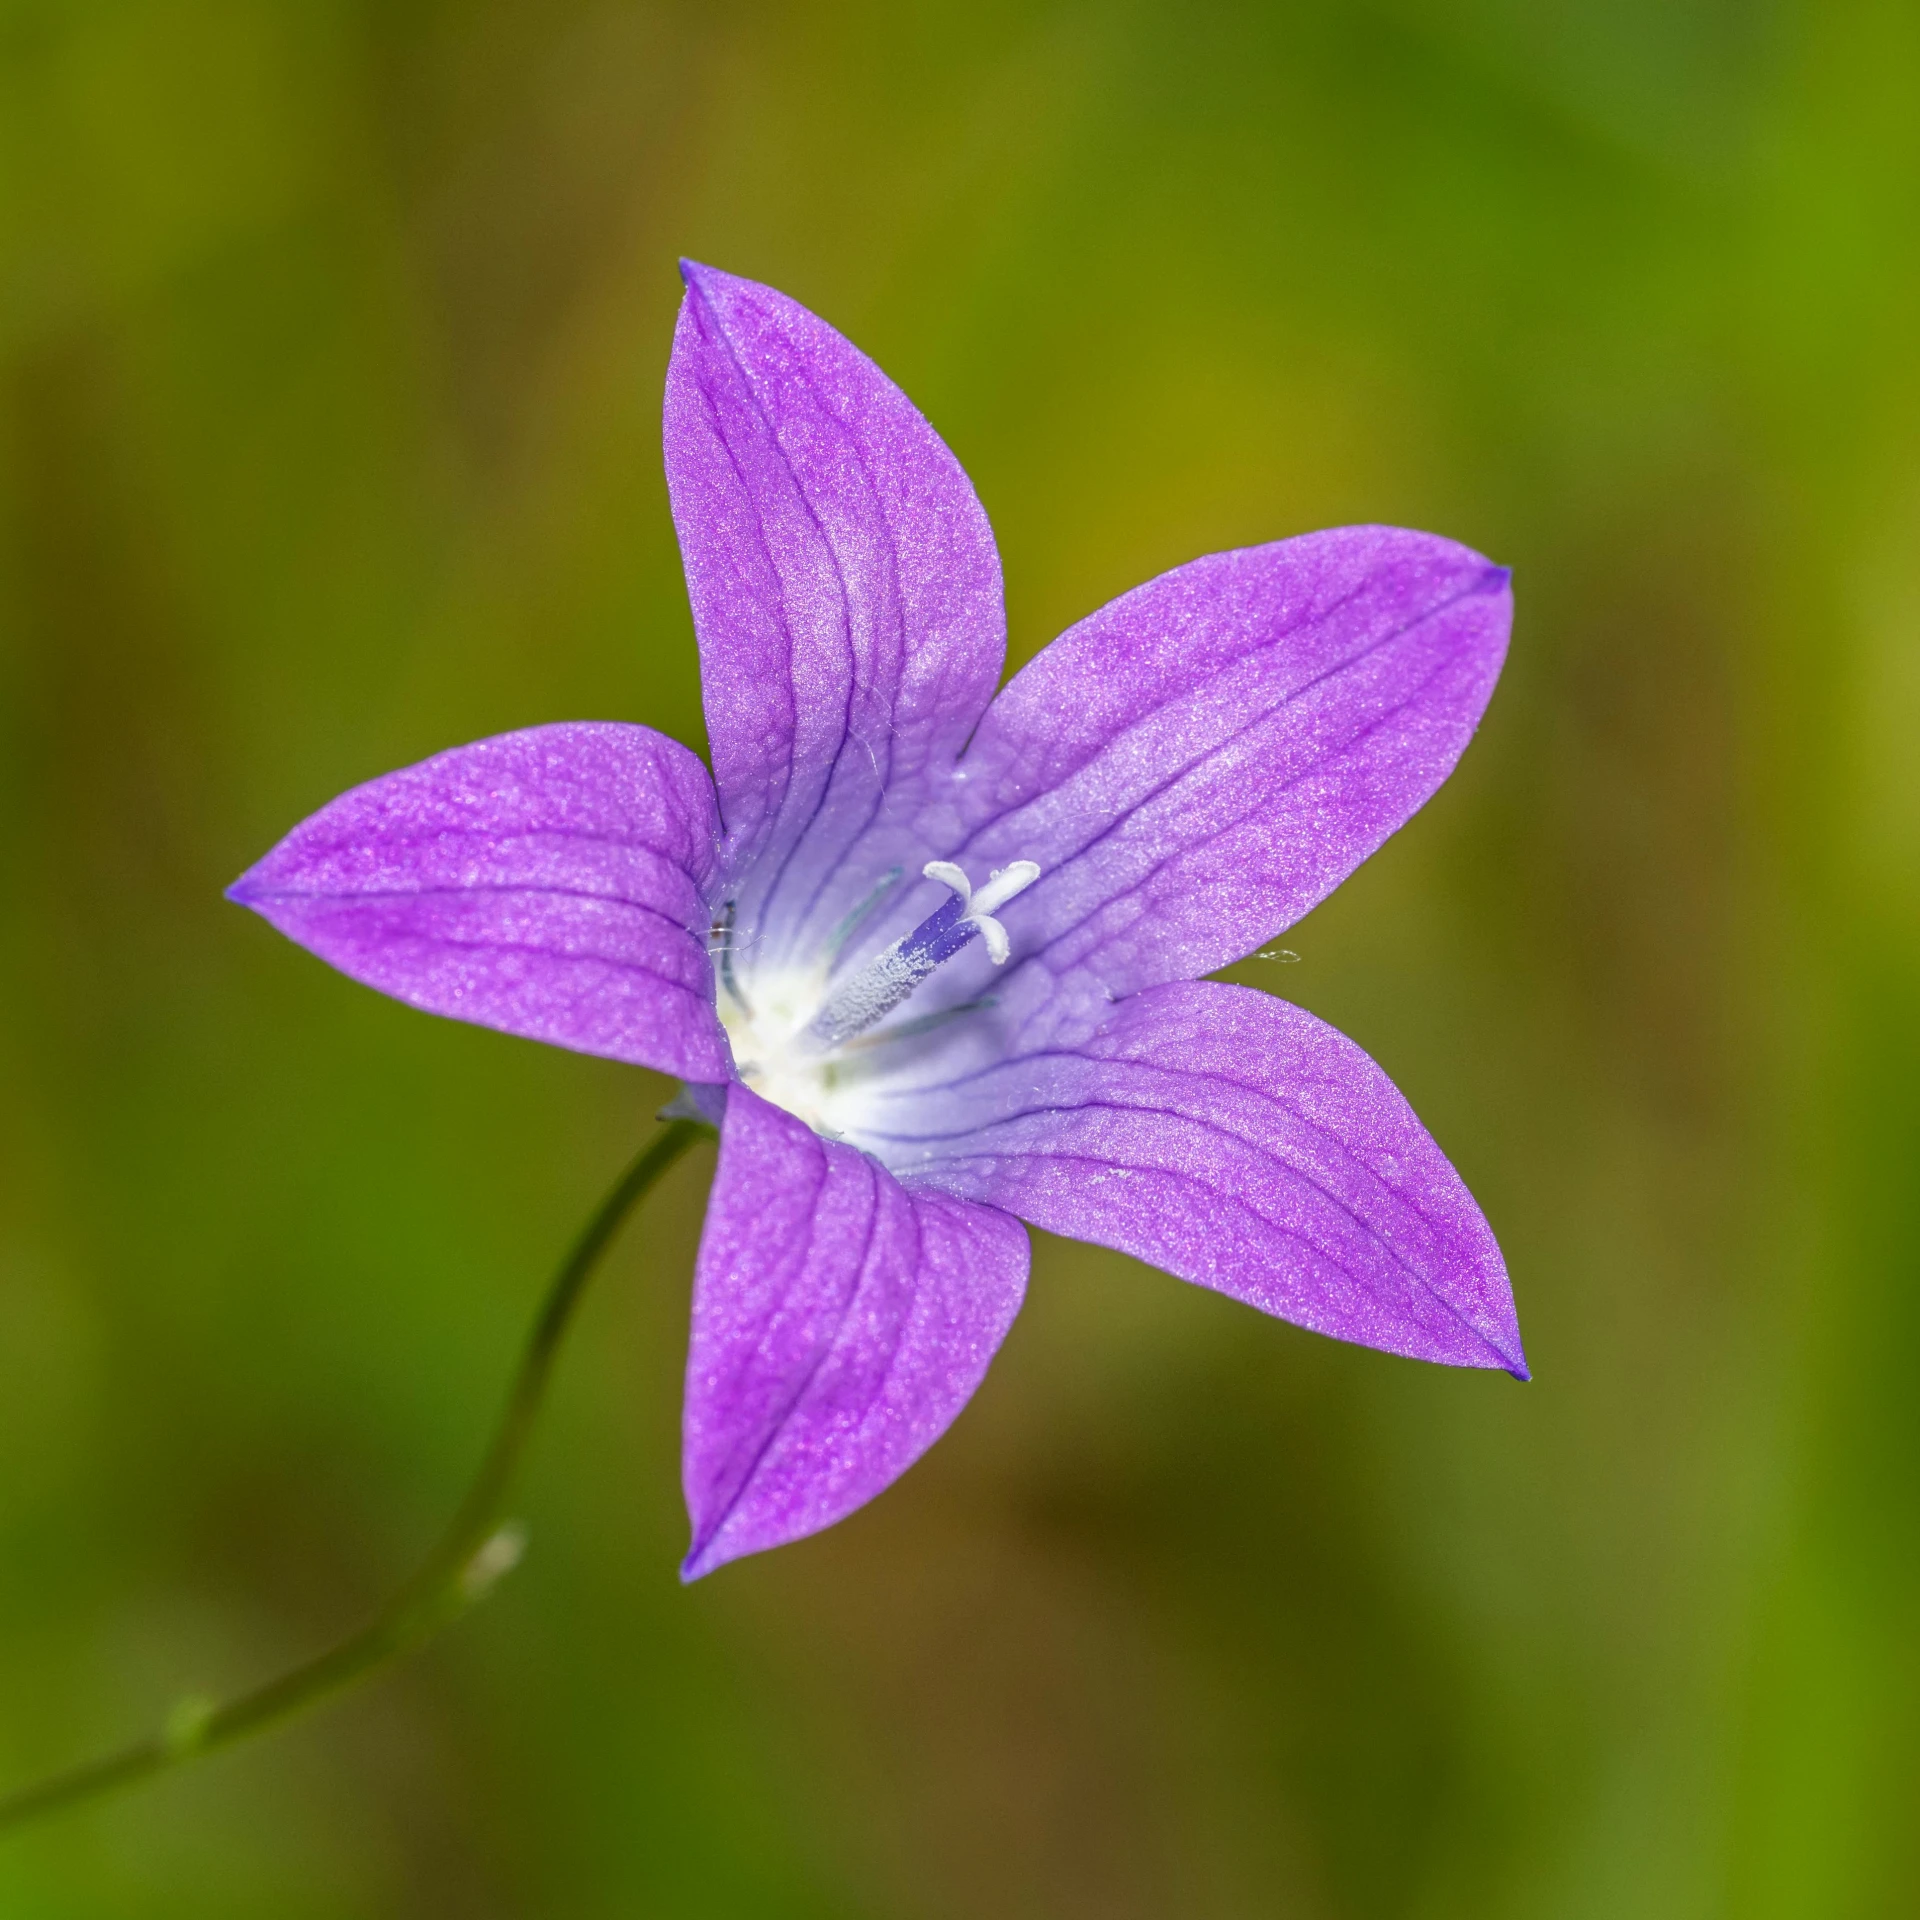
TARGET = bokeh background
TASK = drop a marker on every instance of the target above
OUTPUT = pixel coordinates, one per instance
(331, 342)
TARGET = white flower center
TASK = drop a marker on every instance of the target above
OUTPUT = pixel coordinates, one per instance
(798, 1039)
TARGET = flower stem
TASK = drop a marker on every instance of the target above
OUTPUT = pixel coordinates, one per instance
(473, 1553)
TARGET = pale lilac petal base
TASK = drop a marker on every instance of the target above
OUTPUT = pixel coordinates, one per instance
(840, 1322)
(1240, 1143)
(549, 883)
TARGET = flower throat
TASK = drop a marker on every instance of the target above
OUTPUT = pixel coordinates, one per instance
(784, 1042)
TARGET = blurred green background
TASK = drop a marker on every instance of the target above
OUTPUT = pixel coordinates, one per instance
(331, 341)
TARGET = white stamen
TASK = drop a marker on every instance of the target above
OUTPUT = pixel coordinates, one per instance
(994, 935)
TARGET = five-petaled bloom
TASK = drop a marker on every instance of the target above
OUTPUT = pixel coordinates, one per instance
(929, 953)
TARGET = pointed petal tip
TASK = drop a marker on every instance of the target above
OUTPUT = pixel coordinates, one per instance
(1507, 1356)
(704, 1556)
(1482, 577)
(709, 282)
(721, 295)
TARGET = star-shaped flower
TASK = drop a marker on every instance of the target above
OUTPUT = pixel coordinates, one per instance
(929, 954)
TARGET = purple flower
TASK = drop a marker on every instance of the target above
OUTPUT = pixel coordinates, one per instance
(930, 955)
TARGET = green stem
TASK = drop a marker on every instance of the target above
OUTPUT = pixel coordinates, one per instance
(474, 1551)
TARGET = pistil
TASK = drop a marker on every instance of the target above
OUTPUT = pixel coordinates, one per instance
(886, 980)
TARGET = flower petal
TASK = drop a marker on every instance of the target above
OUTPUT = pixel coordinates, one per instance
(846, 592)
(840, 1322)
(1242, 1144)
(1203, 760)
(549, 883)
